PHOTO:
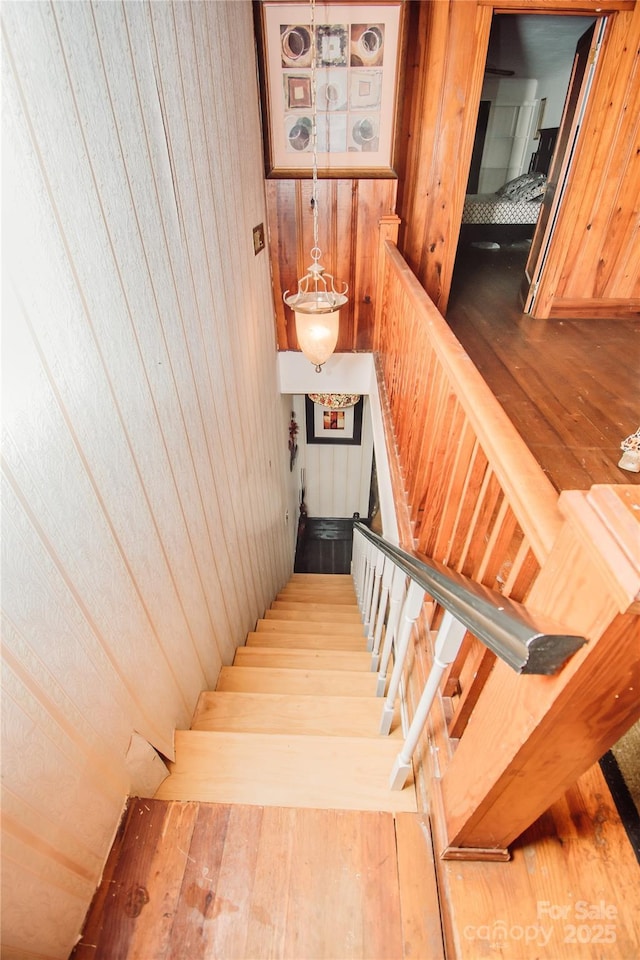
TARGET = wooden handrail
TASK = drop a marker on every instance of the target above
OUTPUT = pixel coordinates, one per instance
(527, 643)
(528, 489)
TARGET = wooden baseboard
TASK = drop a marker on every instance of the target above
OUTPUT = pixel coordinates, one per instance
(595, 309)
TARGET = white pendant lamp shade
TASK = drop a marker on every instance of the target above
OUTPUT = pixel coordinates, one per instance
(317, 334)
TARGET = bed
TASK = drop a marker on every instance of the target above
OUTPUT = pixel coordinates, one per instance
(508, 215)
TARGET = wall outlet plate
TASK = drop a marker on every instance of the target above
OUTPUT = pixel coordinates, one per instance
(258, 238)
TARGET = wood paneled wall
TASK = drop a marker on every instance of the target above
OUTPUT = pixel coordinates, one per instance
(595, 261)
(349, 213)
(444, 67)
(145, 461)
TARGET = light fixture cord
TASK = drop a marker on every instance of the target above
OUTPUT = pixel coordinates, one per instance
(315, 253)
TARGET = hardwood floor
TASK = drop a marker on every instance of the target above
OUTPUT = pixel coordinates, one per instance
(253, 882)
(570, 891)
(571, 387)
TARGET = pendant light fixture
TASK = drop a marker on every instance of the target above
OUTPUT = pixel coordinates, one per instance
(317, 301)
(335, 401)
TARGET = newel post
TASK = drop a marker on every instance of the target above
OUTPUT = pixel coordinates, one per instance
(531, 737)
(388, 230)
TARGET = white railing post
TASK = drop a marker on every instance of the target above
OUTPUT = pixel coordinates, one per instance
(395, 605)
(357, 565)
(371, 553)
(411, 609)
(387, 578)
(448, 643)
(369, 621)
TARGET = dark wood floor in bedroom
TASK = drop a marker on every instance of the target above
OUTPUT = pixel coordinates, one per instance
(571, 387)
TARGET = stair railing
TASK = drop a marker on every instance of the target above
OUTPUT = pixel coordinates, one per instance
(391, 585)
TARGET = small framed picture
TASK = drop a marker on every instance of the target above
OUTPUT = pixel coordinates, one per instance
(348, 69)
(335, 426)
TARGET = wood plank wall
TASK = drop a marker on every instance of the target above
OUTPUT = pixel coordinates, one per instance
(349, 213)
(145, 470)
(595, 267)
(442, 99)
(444, 67)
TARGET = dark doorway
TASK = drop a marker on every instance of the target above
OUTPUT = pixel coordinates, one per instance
(478, 146)
(324, 545)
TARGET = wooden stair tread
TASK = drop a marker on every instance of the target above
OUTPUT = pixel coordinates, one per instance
(305, 641)
(337, 597)
(284, 713)
(344, 629)
(315, 616)
(327, 608)
(301, 659)
(338, 683)
(350, 773)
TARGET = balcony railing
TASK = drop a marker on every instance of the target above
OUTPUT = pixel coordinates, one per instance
(391, 587)
(473, 501)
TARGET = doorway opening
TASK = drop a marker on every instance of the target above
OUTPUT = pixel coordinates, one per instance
(521, 138)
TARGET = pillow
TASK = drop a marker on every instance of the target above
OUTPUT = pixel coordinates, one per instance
(528, 186)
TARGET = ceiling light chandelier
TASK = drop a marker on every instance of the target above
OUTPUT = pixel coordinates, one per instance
(317, 301)
(335, 401)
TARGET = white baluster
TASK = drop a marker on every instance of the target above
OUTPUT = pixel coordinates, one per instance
(357, 566)
(395, 606)
(369, 622)
(371, 554)
(448, 643)
(387, 577)
(410, 611)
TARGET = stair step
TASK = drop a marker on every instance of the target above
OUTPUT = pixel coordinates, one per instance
(338, 683)
(349, 773)
(306, 641)
(339, 596)
(320, 578)
(343, 629)
(300, 659)
(326, 608)
(314, 616)
(291, 714)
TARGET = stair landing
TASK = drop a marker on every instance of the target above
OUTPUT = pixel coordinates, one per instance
(265, 882)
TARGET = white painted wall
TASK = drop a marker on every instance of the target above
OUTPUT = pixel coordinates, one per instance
(145, 464)
(337, 476)
(512, 117)
(513, 121)
(347, 373)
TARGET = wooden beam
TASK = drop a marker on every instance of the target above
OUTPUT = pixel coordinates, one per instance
(388, 227)
(578, 8)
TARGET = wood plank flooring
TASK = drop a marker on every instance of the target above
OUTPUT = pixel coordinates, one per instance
(252, 882)
(570, 387)
(570, 892)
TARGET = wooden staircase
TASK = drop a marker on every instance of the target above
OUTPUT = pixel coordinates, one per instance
(294, 722)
